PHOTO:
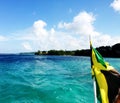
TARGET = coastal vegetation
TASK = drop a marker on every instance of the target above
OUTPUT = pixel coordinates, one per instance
(105, 51)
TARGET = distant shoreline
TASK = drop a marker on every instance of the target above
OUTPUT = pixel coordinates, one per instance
(105, 51)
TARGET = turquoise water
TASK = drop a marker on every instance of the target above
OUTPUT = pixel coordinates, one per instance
(47, 79)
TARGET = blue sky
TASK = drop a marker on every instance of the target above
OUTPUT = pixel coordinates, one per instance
(31, 25)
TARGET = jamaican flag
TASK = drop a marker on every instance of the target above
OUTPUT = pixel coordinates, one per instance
(106, 77)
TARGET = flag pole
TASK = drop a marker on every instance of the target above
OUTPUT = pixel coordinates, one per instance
(94, 82)
(95, 94)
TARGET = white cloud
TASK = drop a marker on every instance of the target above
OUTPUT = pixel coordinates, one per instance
(27, 46)
(68, 36)
(38, 27)
(82, 24)
(39, 30)
(116, 5)
(2, 38)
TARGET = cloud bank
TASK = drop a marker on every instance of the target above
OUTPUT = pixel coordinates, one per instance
(65, 35)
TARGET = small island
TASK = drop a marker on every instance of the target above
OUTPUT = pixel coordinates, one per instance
(105, 51)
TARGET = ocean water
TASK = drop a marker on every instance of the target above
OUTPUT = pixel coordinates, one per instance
(47, 79)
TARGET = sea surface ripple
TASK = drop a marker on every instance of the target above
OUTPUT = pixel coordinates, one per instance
(47, 79)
